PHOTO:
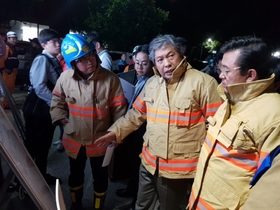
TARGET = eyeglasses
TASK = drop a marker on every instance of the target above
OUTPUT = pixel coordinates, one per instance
(54, 41)
(86, 58)
(225, 71)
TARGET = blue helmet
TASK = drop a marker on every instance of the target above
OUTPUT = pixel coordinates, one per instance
(75, 46)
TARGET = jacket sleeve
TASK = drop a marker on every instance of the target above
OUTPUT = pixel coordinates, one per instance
(210, 99)
(59, 107)
(131, 121)
(265, 194)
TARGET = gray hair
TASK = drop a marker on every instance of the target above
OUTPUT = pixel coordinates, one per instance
(162, 41)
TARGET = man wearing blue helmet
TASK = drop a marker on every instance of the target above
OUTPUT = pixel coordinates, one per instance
(86, 101)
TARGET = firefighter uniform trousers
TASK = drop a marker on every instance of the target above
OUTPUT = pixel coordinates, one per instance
(166, 188)
(10, 80)
(76, 179)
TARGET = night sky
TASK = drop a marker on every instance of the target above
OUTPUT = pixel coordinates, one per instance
(198, 20)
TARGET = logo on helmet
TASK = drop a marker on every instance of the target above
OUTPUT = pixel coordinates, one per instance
(70, 49)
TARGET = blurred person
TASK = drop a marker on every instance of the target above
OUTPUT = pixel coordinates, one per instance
(122, 63)
(213, 66)
(43, 75)
(134, 141)
(175, 102)
(244, 130)
(130, 66)
(106, 60)
(11, 64)
(36, 48)
(86, 101)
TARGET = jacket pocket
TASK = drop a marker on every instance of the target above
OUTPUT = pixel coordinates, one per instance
(183, 112)
(189, 149)
(238, 135)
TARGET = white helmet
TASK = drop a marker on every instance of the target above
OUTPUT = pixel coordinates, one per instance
(11, 34)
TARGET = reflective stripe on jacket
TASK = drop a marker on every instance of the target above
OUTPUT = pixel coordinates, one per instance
(176, 113)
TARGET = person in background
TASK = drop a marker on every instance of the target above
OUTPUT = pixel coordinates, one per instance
(244, 130)
(106, 60)
(9, 73)
(130, 66)
(43, 75)
(122, 63)
(86, 101)
(133, 142)
(175, 103)
(36, 48)
(213, 66)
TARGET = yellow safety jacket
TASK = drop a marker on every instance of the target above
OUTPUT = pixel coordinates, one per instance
(91, 106)
(176, 113)
(243, 131)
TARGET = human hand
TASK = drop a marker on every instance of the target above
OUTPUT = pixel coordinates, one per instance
(106, 139)
(63, 121)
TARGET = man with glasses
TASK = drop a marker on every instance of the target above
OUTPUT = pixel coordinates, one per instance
(43, 75)
(244, 130)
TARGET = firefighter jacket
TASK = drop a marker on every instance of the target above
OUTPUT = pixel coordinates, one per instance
(243, 131)
(91, 106)
(265, 192)
(176, 112)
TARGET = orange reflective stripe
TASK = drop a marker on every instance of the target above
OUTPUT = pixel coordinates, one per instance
(75, 147)
(148, 157)
(211, 109)
(117, 101)
(94, 149)
(58, 94)
(178, 165)
(71, 145)
(247, 162)
(182, 165)
(175, 117)
(203, 205)
(87, 112)
(139, 105)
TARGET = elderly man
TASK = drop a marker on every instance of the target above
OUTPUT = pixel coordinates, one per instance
(175, 102)
(243, 131)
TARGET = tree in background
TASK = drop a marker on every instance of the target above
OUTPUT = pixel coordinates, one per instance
(122, 23)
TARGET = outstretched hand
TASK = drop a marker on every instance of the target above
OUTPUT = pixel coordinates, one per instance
(106, 139)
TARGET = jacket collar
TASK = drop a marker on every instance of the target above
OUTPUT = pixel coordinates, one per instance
(182, 67)
(245, 91)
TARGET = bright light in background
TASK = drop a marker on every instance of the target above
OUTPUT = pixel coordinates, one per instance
(26, 30)
(209, 40)
(276, 54)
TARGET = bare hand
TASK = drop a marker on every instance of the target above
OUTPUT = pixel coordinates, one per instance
(63, 121)
(106, 139)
